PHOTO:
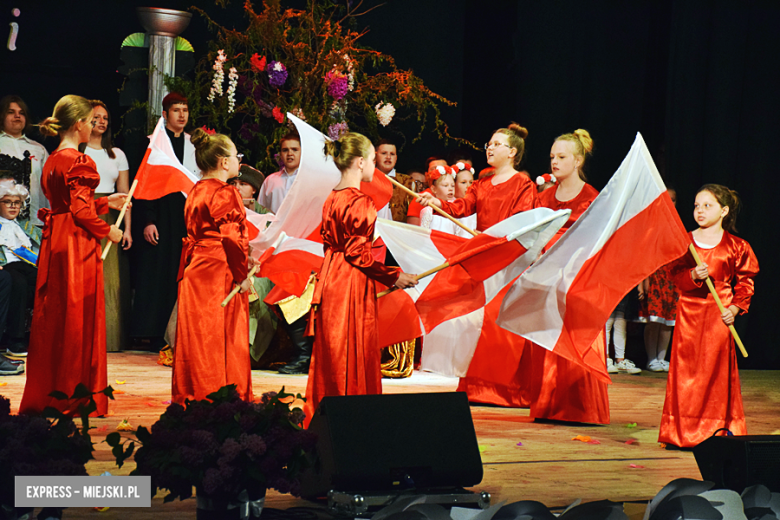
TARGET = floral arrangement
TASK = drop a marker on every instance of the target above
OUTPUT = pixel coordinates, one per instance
(47, 444)
(308, 62)
(223, 446)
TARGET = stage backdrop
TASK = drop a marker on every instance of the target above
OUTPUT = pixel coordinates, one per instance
(698, 79)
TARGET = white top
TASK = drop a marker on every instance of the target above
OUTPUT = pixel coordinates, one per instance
(16, 147)
(12, 237)
(189, 156)
(275, 189)
(107, 167)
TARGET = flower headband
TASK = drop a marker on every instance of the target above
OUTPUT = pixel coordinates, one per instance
(461, 166)
(435, 174)
(547, 177)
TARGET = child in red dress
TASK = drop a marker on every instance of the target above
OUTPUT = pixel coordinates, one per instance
(703, 392)
(346, 358)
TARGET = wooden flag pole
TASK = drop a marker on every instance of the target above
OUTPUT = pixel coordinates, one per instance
(238, 287)
(436, 209)
(714, 293)
(121, 217)
(418, 277)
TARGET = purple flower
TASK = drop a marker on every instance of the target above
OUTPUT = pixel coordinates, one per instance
(336, 130)
(337, 85)
(277, 73)
(248, 131)
(253, 444)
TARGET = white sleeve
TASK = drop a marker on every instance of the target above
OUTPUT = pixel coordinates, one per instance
(121, 160)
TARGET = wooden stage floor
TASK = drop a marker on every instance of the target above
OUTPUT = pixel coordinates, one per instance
(549, 466)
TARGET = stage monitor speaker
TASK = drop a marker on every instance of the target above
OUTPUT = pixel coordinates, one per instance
(736, 462)
(381, 443)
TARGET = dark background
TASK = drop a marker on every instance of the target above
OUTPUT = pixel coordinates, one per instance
(700, 80)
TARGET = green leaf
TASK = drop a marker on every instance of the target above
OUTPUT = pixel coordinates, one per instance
(81, 392)
(60, 396)
(108, 391)
(113, 439)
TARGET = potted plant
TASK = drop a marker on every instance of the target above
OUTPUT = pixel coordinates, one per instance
(230, 450)
(47, 444)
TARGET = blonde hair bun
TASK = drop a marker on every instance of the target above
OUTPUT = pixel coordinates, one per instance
(50, 126)
(200, 139)
(585, 138)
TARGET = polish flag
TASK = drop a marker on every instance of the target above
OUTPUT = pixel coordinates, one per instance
(293, 235)
(479, 267)
(632, 228)
(160, 172)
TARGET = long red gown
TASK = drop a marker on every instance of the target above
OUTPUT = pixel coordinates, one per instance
(346, 358)
(703, 391)
(212, 349)
(68, 334)
(495, 368)
(562, 390)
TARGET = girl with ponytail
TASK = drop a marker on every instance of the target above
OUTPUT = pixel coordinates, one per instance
(561, 389)
(345, 359)
(703, 391)
(68, 334)
(211, 341)
(503, 193)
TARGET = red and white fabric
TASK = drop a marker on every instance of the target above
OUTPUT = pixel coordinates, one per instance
(485, 265)
(160, 172)
(630, 230)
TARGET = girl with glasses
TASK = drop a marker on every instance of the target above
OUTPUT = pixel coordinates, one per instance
(211, 341)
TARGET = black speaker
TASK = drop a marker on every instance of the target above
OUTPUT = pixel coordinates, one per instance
(390, 443)
(736, 462)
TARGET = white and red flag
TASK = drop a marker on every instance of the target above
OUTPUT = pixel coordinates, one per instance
(632, 228)
(293, 236)
(452, 302)
(160, 172)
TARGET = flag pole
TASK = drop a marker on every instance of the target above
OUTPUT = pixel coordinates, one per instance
(717, 300)
(436, 209)
(121, 216)
(429, 272)
(238, 287)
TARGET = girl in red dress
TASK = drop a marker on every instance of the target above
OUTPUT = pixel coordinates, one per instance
(499, 368)
(68, 334)
(703, 391)
(346, 357)
(562, 390)
(211, 341)
(503, 193)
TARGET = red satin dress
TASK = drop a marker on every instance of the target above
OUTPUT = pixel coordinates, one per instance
(68, 334)
(494, 203)
(562, 390)
(346, 358)
(703, 391)
(496, 372)
(212, 349)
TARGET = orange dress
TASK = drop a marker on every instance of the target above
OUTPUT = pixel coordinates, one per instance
(496, 372)
(562, 390)
(346, 358)
(703, 391)
(68, 334)
(212, 349)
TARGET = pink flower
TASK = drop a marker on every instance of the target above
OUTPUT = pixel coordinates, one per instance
(209, 131)
(278, 115)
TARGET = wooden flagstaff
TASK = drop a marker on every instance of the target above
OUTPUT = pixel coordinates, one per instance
(238, 287)
(121, 217)
(418, 277)
(717, 300)
(436, 209)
